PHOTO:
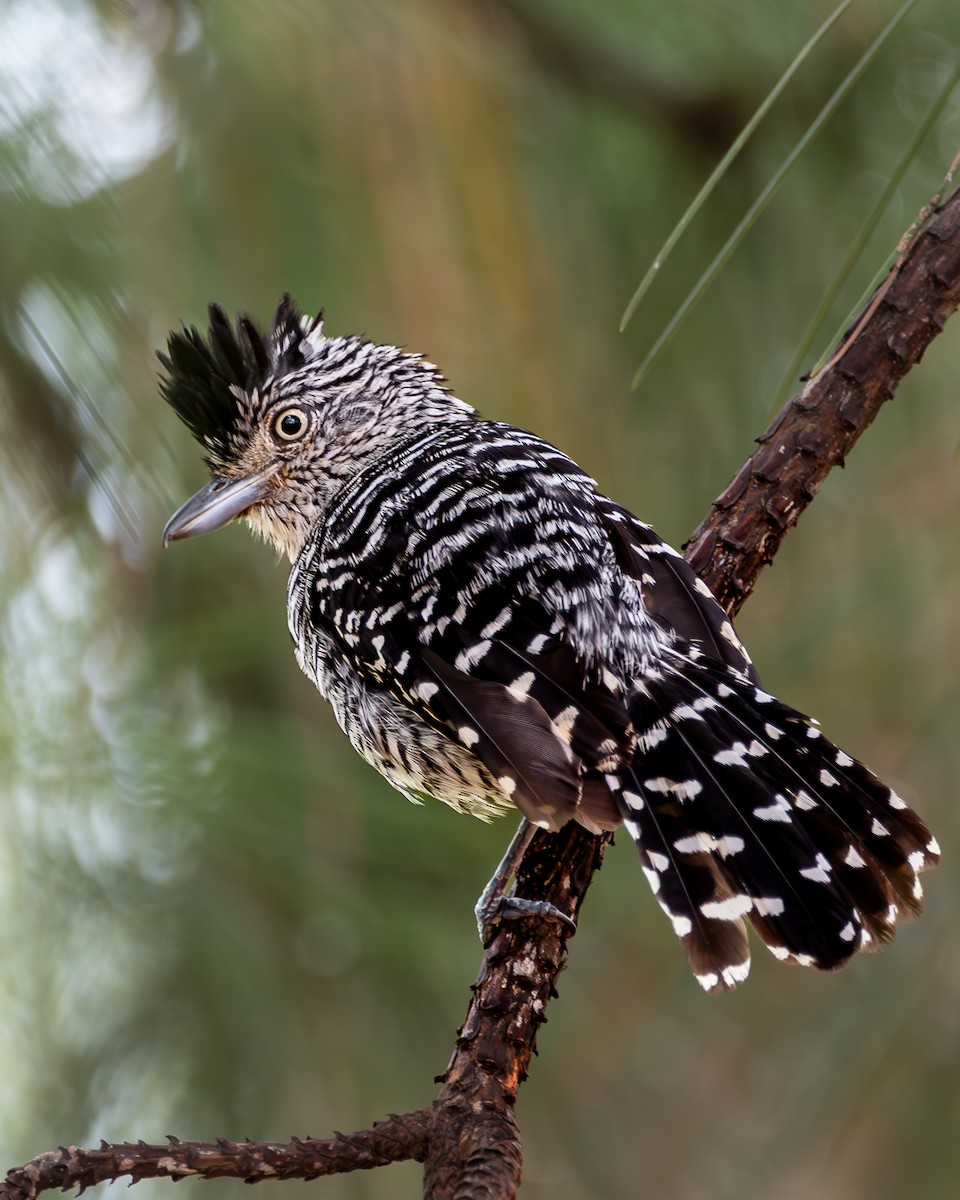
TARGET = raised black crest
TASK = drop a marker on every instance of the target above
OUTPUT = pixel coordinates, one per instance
(206, 376)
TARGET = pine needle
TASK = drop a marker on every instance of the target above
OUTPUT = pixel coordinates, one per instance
(813, 328)
(772, 187)
(721, 168)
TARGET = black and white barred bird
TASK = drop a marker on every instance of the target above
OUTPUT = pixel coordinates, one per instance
(494, 632)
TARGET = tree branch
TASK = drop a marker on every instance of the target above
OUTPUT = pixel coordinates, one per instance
(816, 430)
(394, 1140)
(468, 1139)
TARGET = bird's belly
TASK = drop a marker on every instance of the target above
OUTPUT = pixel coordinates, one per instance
(416, 758)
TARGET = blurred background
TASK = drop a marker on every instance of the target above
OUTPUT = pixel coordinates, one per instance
(214, 918)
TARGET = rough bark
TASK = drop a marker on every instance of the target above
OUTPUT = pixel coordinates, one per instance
(468, 1138)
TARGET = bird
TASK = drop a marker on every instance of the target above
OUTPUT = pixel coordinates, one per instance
(495, 633)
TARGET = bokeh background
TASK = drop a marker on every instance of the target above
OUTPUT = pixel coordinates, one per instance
(214, 919)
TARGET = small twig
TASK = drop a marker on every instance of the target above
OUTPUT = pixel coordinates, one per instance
(394, 1140)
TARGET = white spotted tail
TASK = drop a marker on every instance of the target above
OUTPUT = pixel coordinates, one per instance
(740, 807)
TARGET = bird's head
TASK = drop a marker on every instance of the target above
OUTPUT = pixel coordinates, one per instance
(286, 419)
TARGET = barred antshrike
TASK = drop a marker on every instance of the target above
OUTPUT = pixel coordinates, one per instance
(492, 631)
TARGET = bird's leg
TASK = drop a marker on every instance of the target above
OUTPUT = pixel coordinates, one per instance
(497, 901)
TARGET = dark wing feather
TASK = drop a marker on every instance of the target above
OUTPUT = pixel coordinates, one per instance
(673, 593)
(515, 741)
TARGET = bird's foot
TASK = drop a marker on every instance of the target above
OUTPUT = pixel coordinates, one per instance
(498, 901)
(491, 911)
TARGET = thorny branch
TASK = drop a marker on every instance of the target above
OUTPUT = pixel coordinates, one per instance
(468, 1138)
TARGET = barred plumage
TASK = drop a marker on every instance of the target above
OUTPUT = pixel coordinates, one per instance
(493, 632)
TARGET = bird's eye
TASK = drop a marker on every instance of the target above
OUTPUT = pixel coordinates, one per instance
(290, 424)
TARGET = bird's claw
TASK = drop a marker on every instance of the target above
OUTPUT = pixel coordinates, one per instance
(512, 908)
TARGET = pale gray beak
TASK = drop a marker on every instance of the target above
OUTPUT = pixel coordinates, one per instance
(216, 504)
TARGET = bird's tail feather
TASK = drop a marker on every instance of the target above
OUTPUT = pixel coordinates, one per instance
(741, 808)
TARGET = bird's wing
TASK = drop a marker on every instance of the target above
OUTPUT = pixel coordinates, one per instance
(673, 594)
(482, 600)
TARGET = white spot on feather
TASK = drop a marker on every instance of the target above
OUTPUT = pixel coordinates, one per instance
(496, 624)
(652, 737)
(686, 789)
(730, 909)
(610, 681)
(819, 872)
(734, 757)
(706, 843)
(727, 632)
(467, 659)
(564, 723)
(520, 687)
(736, 973)
(778, 811)
(696, 843)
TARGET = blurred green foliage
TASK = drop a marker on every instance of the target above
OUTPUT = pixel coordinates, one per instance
(214, 919)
